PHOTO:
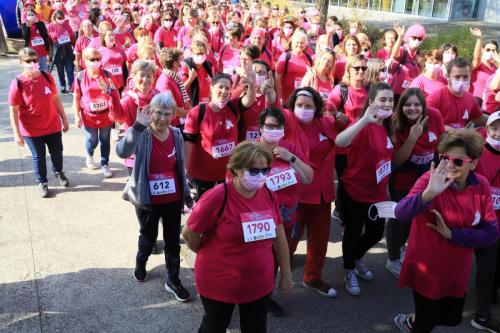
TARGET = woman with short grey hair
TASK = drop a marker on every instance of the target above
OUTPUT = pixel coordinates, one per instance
(157, 186)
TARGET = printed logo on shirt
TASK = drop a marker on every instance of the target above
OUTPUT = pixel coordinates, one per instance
(229, 124)
(389, 144)
(466, 114)
(477, 218)
(48, 91)
(172, 153)
(432, 136)
(322, 137)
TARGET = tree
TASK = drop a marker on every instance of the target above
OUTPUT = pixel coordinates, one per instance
(322, 6)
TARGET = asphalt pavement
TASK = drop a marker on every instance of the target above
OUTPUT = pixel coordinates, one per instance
(67, 261)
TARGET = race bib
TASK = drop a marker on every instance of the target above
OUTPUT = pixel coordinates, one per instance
(297, 83)
(115, 70)
(96, 106)
(422, 159)
(230, 70)
(405, 84)
(82, 15)
(324, 96)
(63, 39)
(383, 170)
(496, 197)
(258, 226)
(161, 184)
(252, 134)
(222, 150)
(37, 41)
(281, 180)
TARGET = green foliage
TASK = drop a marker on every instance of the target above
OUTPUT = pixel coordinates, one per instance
(458, 36)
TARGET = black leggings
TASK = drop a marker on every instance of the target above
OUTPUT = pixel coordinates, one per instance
(253, 315)
(429, 313)
(203, 185)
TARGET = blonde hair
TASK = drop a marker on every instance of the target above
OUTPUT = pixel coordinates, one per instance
(246, 154)
(90, 51)
(346, 79)
(373, 72)
(26, 52)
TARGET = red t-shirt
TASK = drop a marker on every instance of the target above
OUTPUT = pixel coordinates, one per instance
(204, 81)
(228, 269)
(479, 77)
(422, 153)
(38, 115)
(324, 88)
(163, 177)
(368, 165)
(456, 111)
(490, 105)
(383, 54)
(165, 83)
(249, 129)
(36, 42)
(354, 104)
(489, 166)
(81, 44)
(94, 103)
(112, 61)
(167, 37)
(433, 266)
(426, 85)
(60, 34)
(297, 68)
(339, 70)
(121, 37)
(229, 60)
(218, 136)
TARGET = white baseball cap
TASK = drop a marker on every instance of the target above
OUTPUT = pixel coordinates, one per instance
(493, 117)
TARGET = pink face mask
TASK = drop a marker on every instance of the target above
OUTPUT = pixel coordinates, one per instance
(253, 183)
(305, 115)
(383, 114)
(32, 67)
(493, 143)
(273, 136)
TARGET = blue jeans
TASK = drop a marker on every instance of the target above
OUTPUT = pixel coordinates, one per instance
(38, 152)
(64, 64)
(93, 136)
(42, 61)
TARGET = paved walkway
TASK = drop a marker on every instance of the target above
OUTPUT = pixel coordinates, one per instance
(67, 261)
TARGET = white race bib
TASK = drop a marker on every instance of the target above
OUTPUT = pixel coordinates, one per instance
(495, 197)
(96, 106)
(115, 70)
(161, 184)
(422, 159)
(258, 226)
(383, 170)
(222, 150)
(252, 134)
(37, 41)
(82, 15)
(281, 180)
(406, 84)
(63, 39)
(297, 83)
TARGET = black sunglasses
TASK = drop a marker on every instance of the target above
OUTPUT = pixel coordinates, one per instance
(256, 171)
(358, 68)
(457, 161)
(94, 59)
(29, 61)
(419, 38)
(366, 49)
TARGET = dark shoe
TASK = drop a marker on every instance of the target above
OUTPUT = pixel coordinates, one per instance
(63, 181)
(322, 288)
(156, 249)
(494, 297)
(176, 288)
(275, 309)
(140, 273)
(43, 190)
(64, 91)
(488, 325)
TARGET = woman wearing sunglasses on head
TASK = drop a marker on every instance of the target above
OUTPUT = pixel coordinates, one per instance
(417, 130)
(451, 211)
(234, 229)
(365, 181)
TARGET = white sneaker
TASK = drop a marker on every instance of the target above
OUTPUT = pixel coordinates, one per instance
(362, 271)
(89, 162)
(394, 266)
(106, 171)
(351, 283)
(114, 134)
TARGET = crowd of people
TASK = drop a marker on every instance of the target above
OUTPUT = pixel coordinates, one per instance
(259, 111)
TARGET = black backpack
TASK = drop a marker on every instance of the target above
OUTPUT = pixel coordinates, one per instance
(195, 85)
(224, 201)
(20, 86)
(287, 60)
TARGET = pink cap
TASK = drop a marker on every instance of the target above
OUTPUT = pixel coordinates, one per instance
(415, 30)
(258, 32)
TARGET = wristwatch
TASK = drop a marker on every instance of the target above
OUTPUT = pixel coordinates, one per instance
(293, 159)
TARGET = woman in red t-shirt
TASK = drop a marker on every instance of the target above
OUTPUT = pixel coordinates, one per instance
(166, 35)
(320, 77)
(95, 94)
(211, 131)
(157, 187)
(389, 39)
(234, 229)
(282, 38)
(318, 135)
(483, 64)
(418, 130)
(113, 59)
(365, 181)
(428, 81)
(85, 36)
(451, 212)
(36, 113)
(36, 37)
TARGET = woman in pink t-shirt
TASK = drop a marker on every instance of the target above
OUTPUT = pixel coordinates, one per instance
(390, 36)
(282, 39)
(483, 64)
(351, 47)
(320, 77)
(113, 58)
(166, 35)
(123, 37)
(229, 55)
(86, 34)
(428, 81)
(234, 230)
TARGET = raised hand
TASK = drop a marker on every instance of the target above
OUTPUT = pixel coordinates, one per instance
(249, 76)
(399, 29)
(438, 181)
(418, 128)
(440, 227)
(370, 115)
(476, 32)
(144, 116)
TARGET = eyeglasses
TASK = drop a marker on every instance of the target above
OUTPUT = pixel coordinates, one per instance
(272, 126)
(358, 68)
(94, 59)
(419, 38)
(29, 61)
(255, 171)
(116, 9)
(457, 161)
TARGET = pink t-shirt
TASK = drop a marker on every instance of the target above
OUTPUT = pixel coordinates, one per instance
(339, 70)
(112, 61)
(76, 15)
(479, 77)
(121, 37)
(490, 105)
(383, 54)
(38, 115)
(167, 37)
(426, 85)
(132, 53)
(297, 68)
(356, 99)
(60, 34)
(229, 60)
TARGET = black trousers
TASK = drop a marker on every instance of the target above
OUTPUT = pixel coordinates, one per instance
(170, 215)
(253, 315)
(202, 186)
(429, 313)
(355, 242)
(340, 166)
(486, 262)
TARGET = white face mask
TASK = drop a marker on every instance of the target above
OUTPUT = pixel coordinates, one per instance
(353, 31)
(385, 210)
(287, 31)
(447, 57)
(414, 43)
(495, 144)
(93, 64)
(168, 24)
(31, 67)
(487, 56)
(199, 59)
(433, 69)
(459, 86)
